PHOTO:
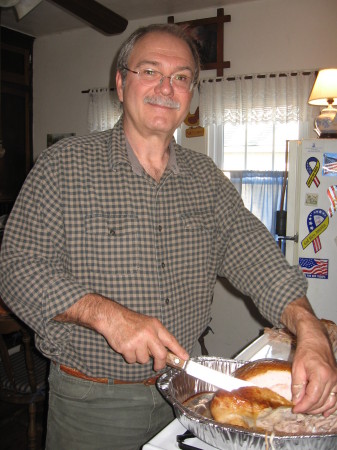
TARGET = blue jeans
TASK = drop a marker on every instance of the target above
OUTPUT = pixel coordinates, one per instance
(85, 415)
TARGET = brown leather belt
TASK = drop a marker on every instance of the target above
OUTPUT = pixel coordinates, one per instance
(77, 374)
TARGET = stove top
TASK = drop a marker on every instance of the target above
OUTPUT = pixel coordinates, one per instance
(167, 439)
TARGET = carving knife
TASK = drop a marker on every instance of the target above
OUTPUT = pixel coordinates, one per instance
(211, 376)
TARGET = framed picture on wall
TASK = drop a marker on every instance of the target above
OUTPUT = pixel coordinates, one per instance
(208, 35)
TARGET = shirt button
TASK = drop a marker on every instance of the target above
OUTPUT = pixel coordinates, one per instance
(163, 265)
(160, 228)
(167, 301)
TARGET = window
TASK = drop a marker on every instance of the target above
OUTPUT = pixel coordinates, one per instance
(254, 160)
(257, 146)
(249, 118)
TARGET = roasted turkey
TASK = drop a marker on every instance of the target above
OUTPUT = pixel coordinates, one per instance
(267, 407)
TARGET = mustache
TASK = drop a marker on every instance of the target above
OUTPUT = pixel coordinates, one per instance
(162, 101)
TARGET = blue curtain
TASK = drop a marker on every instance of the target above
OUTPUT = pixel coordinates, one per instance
(261, 193)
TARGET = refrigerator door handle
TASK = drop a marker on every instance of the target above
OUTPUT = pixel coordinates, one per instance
(289, 238)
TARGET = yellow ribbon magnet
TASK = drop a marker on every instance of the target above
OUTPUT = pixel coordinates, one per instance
(312, 171)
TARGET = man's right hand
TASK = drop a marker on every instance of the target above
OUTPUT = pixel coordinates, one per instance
(135, 336)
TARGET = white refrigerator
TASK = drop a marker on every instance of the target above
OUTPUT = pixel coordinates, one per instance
(312, 219)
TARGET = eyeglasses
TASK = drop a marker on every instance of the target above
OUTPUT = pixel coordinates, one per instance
(151, 77)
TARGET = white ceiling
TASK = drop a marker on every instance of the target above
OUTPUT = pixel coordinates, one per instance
(48, 18)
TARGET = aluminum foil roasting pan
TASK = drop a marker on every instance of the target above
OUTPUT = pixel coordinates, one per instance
(177, 387)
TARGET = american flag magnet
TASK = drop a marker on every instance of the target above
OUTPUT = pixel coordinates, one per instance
(315, 268)
(329, 167)
(317, 222)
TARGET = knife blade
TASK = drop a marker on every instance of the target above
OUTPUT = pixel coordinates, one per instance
(211, 376)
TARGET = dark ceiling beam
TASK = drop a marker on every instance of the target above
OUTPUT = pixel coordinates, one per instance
(97, 15)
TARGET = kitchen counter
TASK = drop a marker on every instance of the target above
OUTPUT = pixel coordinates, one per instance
(167, 439)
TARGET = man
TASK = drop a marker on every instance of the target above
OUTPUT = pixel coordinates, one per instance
(112, 251)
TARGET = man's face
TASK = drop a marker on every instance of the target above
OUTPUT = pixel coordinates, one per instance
(166, 54)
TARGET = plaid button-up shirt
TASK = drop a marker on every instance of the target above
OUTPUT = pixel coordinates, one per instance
(90, 219)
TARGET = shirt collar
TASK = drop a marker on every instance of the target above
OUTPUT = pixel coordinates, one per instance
(117, 146)
(121, 151)
(137, 167)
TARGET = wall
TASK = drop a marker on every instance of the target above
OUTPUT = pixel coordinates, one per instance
(263, 36)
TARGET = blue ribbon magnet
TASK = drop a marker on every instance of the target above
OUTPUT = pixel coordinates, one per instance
(317, 221)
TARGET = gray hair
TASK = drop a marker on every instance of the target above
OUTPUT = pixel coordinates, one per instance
(169, 28)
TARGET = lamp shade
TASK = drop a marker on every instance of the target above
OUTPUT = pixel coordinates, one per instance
(324, 91)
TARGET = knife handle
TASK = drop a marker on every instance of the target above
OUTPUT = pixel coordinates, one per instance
(174, 361)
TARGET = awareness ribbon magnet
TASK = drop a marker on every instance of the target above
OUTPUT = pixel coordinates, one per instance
(332, 194)
(312, 171)
(317, 222)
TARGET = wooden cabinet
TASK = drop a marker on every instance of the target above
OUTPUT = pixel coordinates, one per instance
(16, 114)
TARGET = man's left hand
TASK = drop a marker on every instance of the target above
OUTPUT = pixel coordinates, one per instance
(314, 369)
(314, 377)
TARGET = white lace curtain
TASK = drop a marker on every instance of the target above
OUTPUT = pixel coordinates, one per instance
(104, 109)
(281, 97)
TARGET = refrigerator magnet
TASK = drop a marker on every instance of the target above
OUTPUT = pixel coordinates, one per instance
(312, 165)
(315, 268)
(317, 222)
(332, 195)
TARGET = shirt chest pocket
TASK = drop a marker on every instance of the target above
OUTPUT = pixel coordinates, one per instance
(198, 234)
(112, 244)
(198, 222)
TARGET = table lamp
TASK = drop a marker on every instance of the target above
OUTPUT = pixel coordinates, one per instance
(324, 92)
